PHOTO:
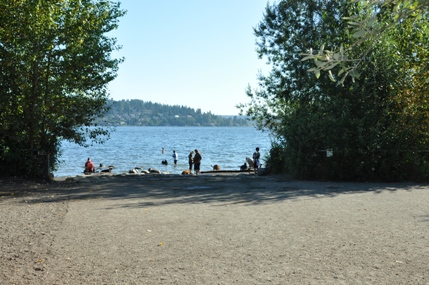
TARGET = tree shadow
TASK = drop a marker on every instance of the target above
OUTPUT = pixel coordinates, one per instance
(159, 190)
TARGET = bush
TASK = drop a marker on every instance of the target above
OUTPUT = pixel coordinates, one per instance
(276, 160)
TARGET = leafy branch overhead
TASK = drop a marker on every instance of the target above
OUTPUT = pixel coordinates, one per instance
(372, 22)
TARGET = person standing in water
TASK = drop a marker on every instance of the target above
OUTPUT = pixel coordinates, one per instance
(191, 159)
(175, 157)
(197, 161)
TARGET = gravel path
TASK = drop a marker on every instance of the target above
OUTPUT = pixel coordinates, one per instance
(212, 229)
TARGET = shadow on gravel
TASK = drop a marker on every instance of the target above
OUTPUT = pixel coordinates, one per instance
(157, 190)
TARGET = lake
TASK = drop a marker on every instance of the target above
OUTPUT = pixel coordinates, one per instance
(135, 146)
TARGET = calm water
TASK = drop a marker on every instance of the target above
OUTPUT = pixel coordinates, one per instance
(130, 147)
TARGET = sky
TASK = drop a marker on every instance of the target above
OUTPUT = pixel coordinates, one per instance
(194, 53)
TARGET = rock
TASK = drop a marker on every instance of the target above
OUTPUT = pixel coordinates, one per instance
(153, 170)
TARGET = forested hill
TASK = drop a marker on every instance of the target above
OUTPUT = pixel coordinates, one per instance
(140, 113)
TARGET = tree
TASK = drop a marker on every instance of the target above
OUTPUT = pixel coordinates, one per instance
(55, 63)
(375, 125)
(369, 23)
(289, 90)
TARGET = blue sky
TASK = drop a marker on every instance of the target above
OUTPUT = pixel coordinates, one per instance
(195, 53)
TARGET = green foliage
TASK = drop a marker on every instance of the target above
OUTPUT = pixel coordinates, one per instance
(276, 160)
(369, 24)
(377, 126)
(54, 68)
(139, 113)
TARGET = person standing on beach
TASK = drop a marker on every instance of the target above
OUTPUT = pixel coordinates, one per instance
(191, 160)
(175, 157)
(256, 156)
(197, 161)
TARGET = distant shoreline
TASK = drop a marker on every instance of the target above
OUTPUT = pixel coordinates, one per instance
(136, 112)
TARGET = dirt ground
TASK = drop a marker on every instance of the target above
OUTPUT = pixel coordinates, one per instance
(212, 229)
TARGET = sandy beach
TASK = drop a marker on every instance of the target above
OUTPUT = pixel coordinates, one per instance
(212, 229)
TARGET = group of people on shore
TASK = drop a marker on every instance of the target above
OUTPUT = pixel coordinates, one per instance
(195, 157)
(194, 160)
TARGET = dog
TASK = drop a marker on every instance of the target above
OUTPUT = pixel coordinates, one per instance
(108, 170)
(216, 167)
(186, 172)
(243, 167)
(165, 162)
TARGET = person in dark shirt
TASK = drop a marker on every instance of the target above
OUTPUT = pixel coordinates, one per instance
(197, 161)
(191, 159)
